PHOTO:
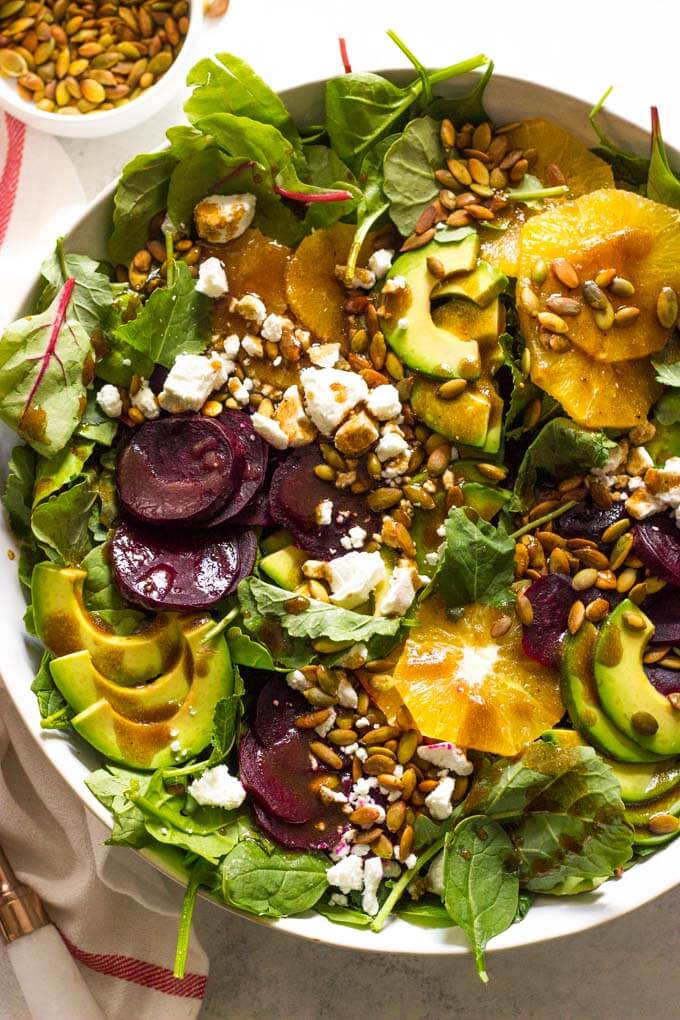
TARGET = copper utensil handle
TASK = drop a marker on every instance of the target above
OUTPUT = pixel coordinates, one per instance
(21, 911)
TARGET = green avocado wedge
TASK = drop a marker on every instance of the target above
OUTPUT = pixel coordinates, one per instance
(64, 625)
(284, 566)
(626, 695)
(482, 285)
(174, 739)
(580, 695)
(641, 815)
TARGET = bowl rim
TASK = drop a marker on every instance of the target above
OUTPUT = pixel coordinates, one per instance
(643, 883)
(169, 83)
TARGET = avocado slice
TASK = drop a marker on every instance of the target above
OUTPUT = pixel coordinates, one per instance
(482, 285)
(463, 420)
(82, 684)
(277, 540)
(639, 814)
(64, 625)
(182, 735)
(419, 341)
(666, 442)
(580, 695)
(285, 566)
(625, 693)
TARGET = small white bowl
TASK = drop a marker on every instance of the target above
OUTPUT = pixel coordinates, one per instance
(110, 122)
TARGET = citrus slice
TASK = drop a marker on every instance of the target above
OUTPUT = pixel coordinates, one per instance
(582, 171)
(606, 229)
(463, 685)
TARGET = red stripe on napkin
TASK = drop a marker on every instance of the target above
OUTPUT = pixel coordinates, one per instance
(9, 181)
(126, 968)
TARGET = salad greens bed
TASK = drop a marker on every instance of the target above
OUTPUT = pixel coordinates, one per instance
(550, 820)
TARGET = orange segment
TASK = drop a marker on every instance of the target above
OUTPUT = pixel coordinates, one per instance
(638, 238)
(582, 171)
(462, 685)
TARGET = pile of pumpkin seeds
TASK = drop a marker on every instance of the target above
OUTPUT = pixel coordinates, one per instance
(74, 57)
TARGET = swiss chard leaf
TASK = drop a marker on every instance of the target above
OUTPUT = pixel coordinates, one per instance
(270, 882)
(92, 295)
(60, 523)
(43, 362)
(141, 193)
(18, 495)
(560, 448)
(629, 168)
(662, 184)
(409, 167)
(60, 470)
(477, 564)
(173, 321)
(481, 890)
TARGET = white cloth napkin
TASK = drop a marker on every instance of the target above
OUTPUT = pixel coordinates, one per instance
(117, 915)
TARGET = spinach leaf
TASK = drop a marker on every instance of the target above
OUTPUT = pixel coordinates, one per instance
(667, 410)
(427, 912)
(629, 168)
(226, 718)
(101, 596)
(202, 873)
(18, 495)
(319, 619)
(480, 889)
(468, 108)
(95, 426)
(477, 564)
(43, 359)
(110, 786)
(662, 184)
(271, 882)
(523, 390)
(349, 916)
(525, 902)
(61, 469)
(173, 321)
(327, 172)
(244, 651)
(409, 167)
(50, 699)
(141, 193)
(92, 294)
(61, 523)
(560, 448)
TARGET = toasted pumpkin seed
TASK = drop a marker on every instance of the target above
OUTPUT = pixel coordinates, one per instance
(451, 389)
(565, 272)
(667, 307)
(621, 287)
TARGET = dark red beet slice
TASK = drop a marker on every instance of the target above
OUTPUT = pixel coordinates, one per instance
(666, 681)
(256, 514)
(278, 706)
(663, 609)
(322, 833)
(657, 543)
(295, 494)
(551, 597)
(239, 430)
(585, 520)
(160, 568)
(278, 777)
(180, 469)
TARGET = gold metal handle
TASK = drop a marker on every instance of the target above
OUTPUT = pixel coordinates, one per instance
(21, 910)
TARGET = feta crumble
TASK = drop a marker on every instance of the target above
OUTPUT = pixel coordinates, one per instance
(353, 577)
(273, 327)
(191, 380)
(373, 873)
(445, 755)
(380, 262)
(221, 218)
(218, 788)
(354, 539)
(269, 430)
(438, 802)
(212, 279)
(252, 346)
(110, 402)
(297, 681)
(390, 445)
(250, 307)
(324, 355)
(347, 875)
(330, 395)
(400, 593)
(383, 402)
(145, 401)
(324, 728)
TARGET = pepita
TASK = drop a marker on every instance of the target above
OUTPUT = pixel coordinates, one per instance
(667, 307)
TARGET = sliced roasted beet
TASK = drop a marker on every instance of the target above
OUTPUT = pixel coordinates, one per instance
(585, 520)
(238, 428)
(279, 776)
(180, 469)
(657, 543)
(666, 681)
(295, 494)
(551, 597)
(320, 833)
(278, 706)
(160, 568)
(663, 609)
(257, 514)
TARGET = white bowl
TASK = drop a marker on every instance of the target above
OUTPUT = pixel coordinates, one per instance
(508, 99)
(111, 122)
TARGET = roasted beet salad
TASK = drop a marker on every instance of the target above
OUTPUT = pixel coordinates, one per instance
(348, 503)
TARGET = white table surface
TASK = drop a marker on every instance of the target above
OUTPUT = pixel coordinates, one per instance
(625, 970)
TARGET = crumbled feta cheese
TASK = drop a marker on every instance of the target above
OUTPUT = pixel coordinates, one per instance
(212, 279)
(273, 327)
(145, 401)
(347, 875)
(221, 218)
(363, 279)
(360, 793)
(338, 900)
(330, 395)
(354, 576)
(660, 491)
(324, 355)
(400, 593)
(329, 796)
(394, 284)
(435, 875)
(373, 873)
(347, 695)
(402, 323)
(362, 722)
(250, 307)
(232, 345)
(383, 402)
(297, 681)
(269, 430)
(438, 802)
(240, 391)
(446, 755)
(191, 380)
(432, 559)
(361, 850)
(638, 461)
(354, 539)
(342, 847)
(391, 444)
(410, 861)
(324, 728)
(324, 513)
(380, 262)
(218, 788)
(252, 346)
(110, 401)
(354, 657)
(290, 414)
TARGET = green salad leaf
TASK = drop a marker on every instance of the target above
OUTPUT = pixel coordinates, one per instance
(244, 651)
(373, 203)
(18, 495)
(226, 719)
(427, 912)
(270, 882)
(477, 564)
(141, 193)
(468, 108)
(481, 888)
(349, 916)
(662, 184)
(92, 295)
(95, 426)
(327, 172)
(110, 785)
(62, 469)
(51, 702)
(409, 167)
(61, 523)
(629, 168)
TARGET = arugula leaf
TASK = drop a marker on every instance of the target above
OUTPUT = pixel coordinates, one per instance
(409, 167)
(559, 449)
(270, 882)
(141, 193)
(18, 495)
(173, 321)
(61, 469)
(662, 184)
(92, 294)
(480, 891)
(43, 359)
(319, 619)
(61, 523)
(468, 108)
(427, 912)
(477, 564)
(629, 168)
